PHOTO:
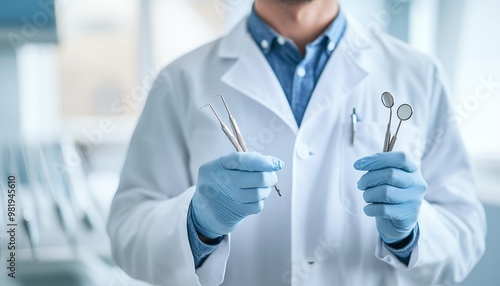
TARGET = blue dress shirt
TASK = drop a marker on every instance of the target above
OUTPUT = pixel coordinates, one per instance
(298, 76)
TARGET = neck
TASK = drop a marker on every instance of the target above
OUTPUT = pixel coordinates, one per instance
(301, 22)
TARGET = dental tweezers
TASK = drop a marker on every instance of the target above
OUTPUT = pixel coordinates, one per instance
(235, 135)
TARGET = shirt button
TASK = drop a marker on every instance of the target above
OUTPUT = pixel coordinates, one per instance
(264, 44)
(301, 72)
(303, 152)
(281, 41)
(331, 46)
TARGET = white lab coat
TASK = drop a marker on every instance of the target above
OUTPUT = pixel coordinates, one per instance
(316, 234)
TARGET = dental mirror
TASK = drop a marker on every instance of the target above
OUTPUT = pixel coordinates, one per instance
(405, 111)
(388, 101)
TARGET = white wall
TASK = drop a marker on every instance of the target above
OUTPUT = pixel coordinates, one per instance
(479, 60)
(179, 26)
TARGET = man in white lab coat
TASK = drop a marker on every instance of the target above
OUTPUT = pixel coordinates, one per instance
(304, 83)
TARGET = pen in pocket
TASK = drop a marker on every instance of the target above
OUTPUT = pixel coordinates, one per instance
(354, 121)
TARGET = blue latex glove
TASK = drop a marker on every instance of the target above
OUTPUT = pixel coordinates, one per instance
(231, 188)
(394, 190)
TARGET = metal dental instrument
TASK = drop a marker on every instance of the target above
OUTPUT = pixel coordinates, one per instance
(388, 101)
(405, 111)
(237, 141)
(226, 130)
(234, 125)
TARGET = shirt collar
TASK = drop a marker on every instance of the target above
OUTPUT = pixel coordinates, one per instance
(265, 36)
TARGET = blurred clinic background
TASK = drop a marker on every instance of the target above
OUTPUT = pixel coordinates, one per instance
(74, 76)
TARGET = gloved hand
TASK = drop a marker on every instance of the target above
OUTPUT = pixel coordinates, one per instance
(231, 188)
(394, 190)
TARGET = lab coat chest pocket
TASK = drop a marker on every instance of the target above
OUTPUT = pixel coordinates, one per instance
(368, 140)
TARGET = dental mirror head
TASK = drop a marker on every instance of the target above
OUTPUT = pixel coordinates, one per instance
(387, 99)
(405, 111)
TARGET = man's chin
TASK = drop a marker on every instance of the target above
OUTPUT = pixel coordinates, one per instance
(293, 2)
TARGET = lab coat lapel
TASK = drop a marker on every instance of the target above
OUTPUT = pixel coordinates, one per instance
(252, 75)
(341, 75)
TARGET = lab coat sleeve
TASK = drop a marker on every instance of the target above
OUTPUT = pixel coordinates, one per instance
(148, 219)
(452, 220)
